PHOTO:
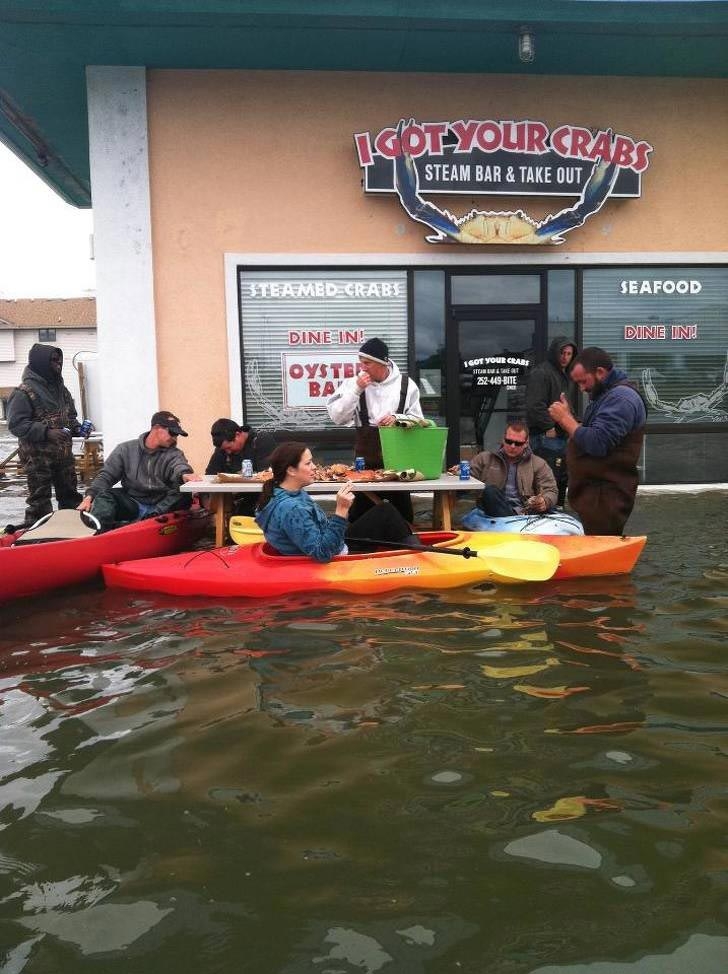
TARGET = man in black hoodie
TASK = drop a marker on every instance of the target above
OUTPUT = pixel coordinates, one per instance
(544, 385)
(42, 414)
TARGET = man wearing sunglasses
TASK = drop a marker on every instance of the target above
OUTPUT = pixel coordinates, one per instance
(516, 481)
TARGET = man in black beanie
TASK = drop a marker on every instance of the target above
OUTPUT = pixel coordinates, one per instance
(373, 398)
(42, 414)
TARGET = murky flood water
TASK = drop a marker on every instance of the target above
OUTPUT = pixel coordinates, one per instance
(524, 779)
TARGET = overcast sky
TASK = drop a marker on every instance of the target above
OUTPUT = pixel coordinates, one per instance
(44, 242)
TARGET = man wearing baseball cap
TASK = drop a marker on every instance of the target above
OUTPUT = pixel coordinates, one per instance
(373, 398)
(150, 470)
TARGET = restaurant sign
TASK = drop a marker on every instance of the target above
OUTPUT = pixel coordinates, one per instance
(501, 158)
(495, 371)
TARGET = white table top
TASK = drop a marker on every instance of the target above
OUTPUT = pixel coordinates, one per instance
(445, 482)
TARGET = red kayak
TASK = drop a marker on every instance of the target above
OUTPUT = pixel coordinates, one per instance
(34, 568)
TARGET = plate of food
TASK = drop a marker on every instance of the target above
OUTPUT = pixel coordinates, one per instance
(238, 478)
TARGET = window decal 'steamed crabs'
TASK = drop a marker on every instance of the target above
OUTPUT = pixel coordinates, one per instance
(699, 408)
(517, 227)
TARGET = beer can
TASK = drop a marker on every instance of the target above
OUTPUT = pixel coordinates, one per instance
(247, 468)
(86, 428)
(465, 469)
(359, 463)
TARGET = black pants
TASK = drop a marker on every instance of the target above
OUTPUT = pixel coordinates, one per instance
(399, 500)
(553, 451)
(115, 505)
(382, 522)
(494, 503)
(244, 505)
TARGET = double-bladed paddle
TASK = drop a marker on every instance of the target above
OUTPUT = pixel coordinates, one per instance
(527, 561)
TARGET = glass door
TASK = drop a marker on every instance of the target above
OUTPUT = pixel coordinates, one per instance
(488, 357)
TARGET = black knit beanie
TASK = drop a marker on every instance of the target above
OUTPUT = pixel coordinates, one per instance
(375, 349)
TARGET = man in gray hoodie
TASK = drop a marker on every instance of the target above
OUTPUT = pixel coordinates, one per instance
(42, 414)
(150, 469)
(544, 385)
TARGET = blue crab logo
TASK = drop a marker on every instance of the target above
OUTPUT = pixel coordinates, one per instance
(515, 227)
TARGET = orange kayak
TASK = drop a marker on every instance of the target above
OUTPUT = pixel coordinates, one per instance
(253, 570)
(581, 556)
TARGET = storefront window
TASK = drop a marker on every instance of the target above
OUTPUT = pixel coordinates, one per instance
(301, 331)
(495, 288)
(561, 304)
(429, 328)
(667, 327)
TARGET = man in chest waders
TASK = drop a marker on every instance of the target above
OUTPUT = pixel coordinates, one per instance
(373, 398)
(604, 448)
(42, 414)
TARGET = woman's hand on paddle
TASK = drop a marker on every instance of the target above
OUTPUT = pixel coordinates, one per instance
(344, 499)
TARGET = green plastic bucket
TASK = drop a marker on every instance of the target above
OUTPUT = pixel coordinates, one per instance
(420, 447)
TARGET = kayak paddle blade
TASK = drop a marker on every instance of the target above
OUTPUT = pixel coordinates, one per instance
(526, 561)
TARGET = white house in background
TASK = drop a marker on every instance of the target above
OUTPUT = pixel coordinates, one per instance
(69, 323)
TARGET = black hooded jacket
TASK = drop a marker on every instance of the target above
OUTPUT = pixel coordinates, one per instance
(257, 449)
(41, 401)
(544, 385)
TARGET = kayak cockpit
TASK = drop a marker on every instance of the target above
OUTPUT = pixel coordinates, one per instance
(442, 539)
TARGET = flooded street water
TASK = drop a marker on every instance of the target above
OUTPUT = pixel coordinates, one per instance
(508, 780)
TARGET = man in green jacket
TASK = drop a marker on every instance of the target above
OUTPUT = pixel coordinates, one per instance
(516, 481)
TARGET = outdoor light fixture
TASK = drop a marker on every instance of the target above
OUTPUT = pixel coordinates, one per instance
(526, 45)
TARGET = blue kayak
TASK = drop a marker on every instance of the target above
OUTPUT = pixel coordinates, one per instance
(556, 523)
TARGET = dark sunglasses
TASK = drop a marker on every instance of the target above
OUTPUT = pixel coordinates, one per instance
(514, 442)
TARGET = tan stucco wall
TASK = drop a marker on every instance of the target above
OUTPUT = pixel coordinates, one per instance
(264, 162)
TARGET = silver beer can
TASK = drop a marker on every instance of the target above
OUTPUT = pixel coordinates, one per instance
(247, 470)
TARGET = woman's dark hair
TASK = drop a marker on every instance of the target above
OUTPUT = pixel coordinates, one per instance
(284, 456)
